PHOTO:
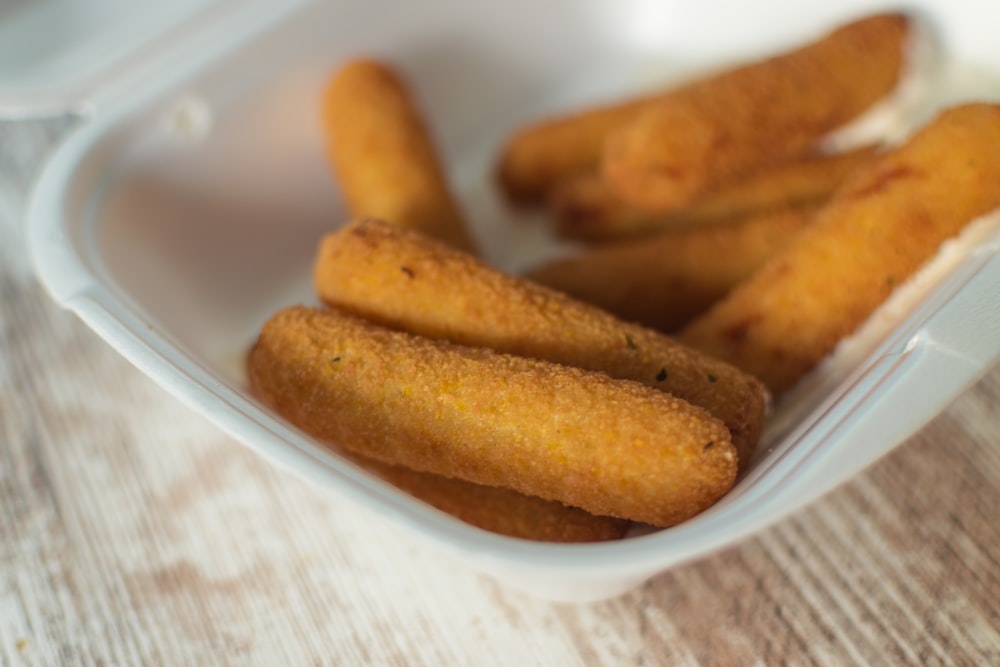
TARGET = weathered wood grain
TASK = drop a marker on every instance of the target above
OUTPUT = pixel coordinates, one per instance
(132, 532)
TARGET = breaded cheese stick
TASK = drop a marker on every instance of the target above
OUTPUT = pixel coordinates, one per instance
(539, 155)
(723, 126)
(585, 208)
(886, 221)
(410, 282)
(664, 281)
(612, 447)
(500, 510)
(383, 155)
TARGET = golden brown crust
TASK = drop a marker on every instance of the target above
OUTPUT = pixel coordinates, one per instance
(539, 155)
(585, 208)
(765, 113)
(666, 280)
(500, 510)
(612, 447)
(383, 155)
(412, 283)
(886, 221)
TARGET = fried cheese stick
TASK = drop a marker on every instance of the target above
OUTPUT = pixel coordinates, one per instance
(539, 155)
(410, 282)
(612, 447)
(664, 281)
(383, 155)
(500, 510)
(723, 126)
(889, 218)
(585, 208)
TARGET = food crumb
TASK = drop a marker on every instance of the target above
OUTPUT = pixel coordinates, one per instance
(190, 119)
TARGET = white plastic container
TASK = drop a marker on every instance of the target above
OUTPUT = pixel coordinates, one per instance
(187, 207)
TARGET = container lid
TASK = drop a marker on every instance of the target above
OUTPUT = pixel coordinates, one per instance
(60, 55)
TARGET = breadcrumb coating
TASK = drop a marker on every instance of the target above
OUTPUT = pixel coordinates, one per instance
(612, 447)
(538, 156)
(586, 208)
(723, 126)
(383, 155)
(500, 510)
(665, 281)
(412, 283)
(886, 221)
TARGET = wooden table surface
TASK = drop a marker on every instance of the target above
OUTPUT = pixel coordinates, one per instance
(133, 532)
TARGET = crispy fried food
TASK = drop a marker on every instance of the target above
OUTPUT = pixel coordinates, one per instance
(585, 208)
(383, 155)
(666, 280)
(410, 282)
(539, 155)
(500, 510)
(612, 447)
(884, 222)
(720, 127)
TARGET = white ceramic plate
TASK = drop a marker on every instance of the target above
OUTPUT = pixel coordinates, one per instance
(188, 206)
